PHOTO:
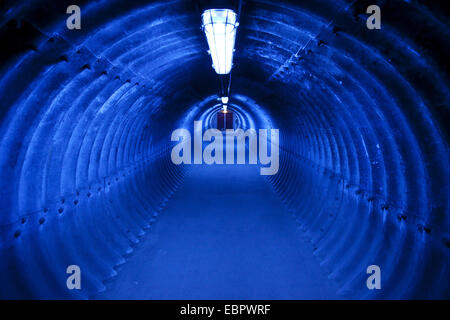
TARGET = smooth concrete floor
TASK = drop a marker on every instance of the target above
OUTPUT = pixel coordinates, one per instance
(223, 235)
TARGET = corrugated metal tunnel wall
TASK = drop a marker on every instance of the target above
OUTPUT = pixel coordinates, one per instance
(363, 117)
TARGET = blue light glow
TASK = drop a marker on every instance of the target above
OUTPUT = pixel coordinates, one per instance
(220, 26)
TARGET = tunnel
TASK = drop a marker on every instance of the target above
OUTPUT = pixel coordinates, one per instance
(86, 177)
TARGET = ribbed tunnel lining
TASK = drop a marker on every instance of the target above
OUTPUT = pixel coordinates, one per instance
(87, 116)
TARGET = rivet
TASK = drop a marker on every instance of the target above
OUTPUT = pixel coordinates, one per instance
(336, 30)
(422, 228)
(446, 242)
(63, 58)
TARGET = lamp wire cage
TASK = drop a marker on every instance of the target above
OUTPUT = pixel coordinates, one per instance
(219, 26)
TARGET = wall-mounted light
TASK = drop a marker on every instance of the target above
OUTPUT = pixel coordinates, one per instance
(220, 26)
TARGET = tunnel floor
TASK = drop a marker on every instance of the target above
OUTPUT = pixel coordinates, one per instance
(199, 248)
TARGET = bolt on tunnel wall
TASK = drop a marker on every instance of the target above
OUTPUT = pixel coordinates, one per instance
(86, 178)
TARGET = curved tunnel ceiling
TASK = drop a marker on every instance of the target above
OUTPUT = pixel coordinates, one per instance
(363, 118)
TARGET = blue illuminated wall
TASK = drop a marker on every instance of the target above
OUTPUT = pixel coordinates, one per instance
(86, 117)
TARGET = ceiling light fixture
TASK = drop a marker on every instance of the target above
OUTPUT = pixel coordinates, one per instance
(220, 26)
